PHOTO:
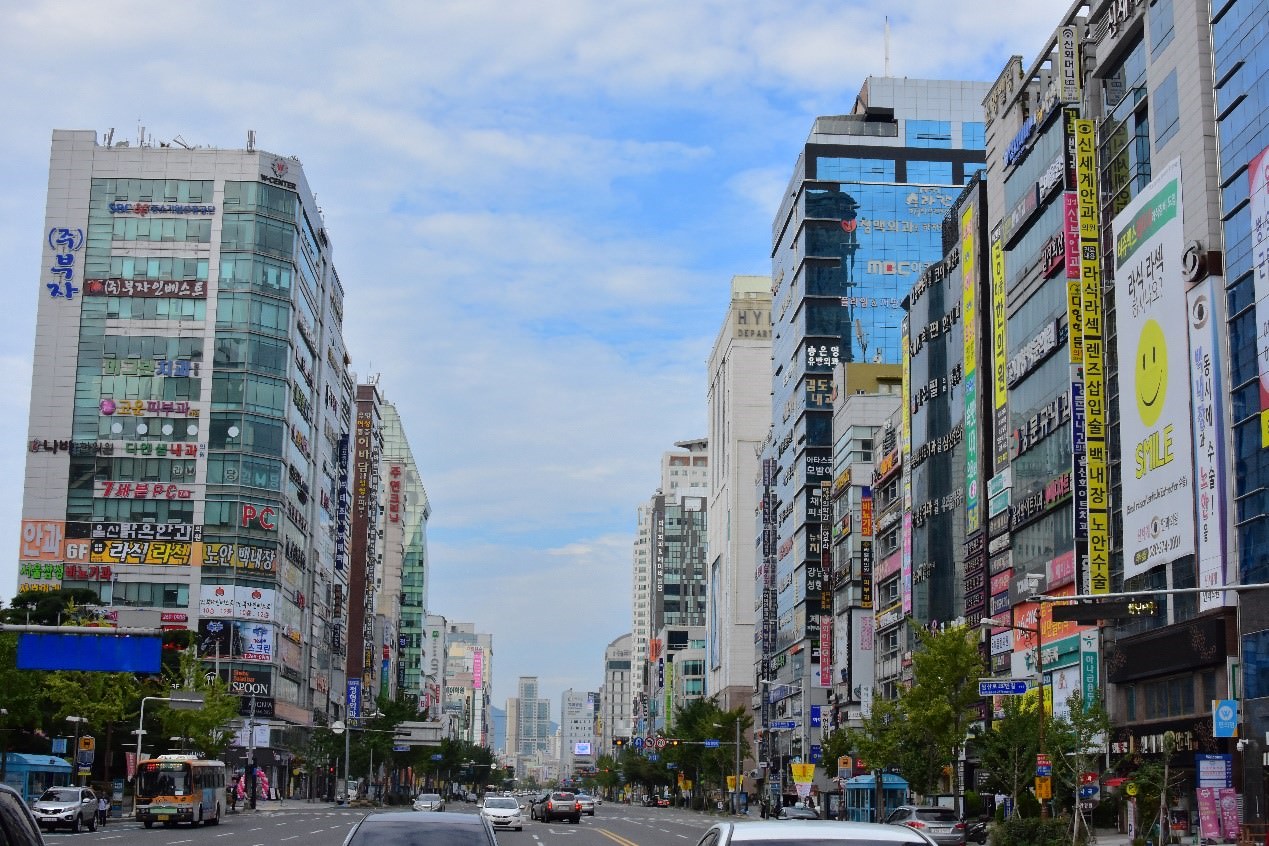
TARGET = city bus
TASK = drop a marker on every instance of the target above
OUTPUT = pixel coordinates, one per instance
(180, 788)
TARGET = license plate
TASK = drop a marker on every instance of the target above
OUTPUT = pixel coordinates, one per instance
(164, 817)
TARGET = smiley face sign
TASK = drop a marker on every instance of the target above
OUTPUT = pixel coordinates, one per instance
(1151, 372)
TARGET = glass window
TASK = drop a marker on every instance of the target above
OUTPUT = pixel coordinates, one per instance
(854, 170)
(1159, 16)
(930, 173)
(974, 135)
(1166, 109)
(928, 133)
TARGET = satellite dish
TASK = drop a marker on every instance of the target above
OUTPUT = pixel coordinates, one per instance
(861, 337)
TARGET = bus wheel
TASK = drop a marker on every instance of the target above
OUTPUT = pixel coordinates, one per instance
(216, 819)
(196, 820)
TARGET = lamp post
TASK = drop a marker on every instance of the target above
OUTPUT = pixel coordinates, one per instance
(735, 794)
(766, 698)
(1039, 671)
(340, 728)
(79, 722)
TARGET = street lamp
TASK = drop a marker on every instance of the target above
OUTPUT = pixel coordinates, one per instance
(79, 722)
(1039, 671)
(791, 689)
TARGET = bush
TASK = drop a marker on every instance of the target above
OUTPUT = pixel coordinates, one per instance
(973, 805)
(1032, 831)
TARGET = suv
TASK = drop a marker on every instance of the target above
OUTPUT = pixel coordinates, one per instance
(72, 807)
(557, 805)
(940, 824)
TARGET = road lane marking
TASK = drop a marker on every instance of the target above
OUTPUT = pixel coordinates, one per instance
(616, 838)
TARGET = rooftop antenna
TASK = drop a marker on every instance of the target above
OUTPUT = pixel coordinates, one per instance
(251, 140)
(887, 41)
(181, 141)
(862, 338)
(110, 136)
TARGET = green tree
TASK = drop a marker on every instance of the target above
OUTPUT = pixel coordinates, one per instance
(1077, 742)
(107, 701)
(52, 607)
(1007, 749)
(204, 730)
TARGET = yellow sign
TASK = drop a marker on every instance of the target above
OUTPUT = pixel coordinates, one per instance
(803, 773)
(1131, 788)
(731, 784)
(1264, 429)
(1043, 787)
(87, 743)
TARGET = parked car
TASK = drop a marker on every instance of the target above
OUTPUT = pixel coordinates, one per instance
(502, 812)
(20, 824)
(587, 802)
(799, 832)
(69, 807)
(663, 801)
(649, 801)
(557, 805)
(797, 812)
(429, 802)
(406, 828)
(941, 824)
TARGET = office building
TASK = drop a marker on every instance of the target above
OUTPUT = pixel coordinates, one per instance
(531, 734)
(616, 694)
(188, 485)
(578, 749)
(468, 682)
(860, 220)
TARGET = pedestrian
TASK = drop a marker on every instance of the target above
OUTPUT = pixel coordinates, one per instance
(103, 810)
(232, 795)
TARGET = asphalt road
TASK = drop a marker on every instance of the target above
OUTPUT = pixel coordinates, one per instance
(303, 824)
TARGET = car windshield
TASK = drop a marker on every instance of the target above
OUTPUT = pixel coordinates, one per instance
(55, 794)
(936, 814)
(562, 797)
(501, 802)
(430, 797)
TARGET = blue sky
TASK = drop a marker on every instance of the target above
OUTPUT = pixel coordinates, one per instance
(536, 210)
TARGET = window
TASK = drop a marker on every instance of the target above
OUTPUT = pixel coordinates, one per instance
(973, 135)
(1159, 16)
(930, 173)
(1167, 112)
(928, 133)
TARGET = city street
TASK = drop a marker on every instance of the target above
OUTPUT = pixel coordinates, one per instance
(294, 822)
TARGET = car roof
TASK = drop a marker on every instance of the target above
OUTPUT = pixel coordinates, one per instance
(803, 830)
(440, 818)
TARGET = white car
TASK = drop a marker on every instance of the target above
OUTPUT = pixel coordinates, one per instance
(818, 832)
(429, 802)
(502, 812)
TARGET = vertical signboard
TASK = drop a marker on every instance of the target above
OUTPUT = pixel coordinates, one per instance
(865, 547)
(1258, 194)
(1000, 358)
(1095, 446)
(969, 312)
(1154, 420)
(1206, 390)
(1068, 64)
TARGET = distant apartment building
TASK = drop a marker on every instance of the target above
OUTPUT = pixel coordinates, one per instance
(616, 694)
(468, 683)
(531, 740)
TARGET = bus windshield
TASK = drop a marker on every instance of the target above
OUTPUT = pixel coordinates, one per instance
(163, 779)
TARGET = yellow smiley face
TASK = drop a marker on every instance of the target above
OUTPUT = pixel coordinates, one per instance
(1152, 372)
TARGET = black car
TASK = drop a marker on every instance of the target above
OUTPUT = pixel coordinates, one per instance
(17, 825)
(407, 828)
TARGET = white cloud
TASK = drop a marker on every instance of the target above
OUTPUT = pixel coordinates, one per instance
(536, 212)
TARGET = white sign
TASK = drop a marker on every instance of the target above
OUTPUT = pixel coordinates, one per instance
(225, 602)
(1158, 493)
(1206, 390)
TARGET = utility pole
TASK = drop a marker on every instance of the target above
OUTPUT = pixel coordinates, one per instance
(251, 755)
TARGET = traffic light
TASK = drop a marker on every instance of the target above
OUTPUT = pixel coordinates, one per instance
(619, 742)
(674, 741)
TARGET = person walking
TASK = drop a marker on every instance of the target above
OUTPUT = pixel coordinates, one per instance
(103, 810)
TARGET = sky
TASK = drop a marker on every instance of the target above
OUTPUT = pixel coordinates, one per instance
(536, 210)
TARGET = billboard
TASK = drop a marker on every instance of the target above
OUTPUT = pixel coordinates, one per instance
(106, 653)
(1206, 390)
(1158, 497)
(1258, 193)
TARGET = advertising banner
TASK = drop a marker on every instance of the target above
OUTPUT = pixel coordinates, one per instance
(969, 320)
(242, 601)
(1158, 499)
(1206, 390)
(1000, 358)
(1258, 194)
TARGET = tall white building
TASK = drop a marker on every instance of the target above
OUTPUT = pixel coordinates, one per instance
(468, 683)
(739, 416)
(616, 694)
(577, 731)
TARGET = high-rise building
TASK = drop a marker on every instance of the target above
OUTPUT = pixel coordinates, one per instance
(739, 373)
(532, 736)
(405, 514)
(212, 492)
(682, 495)
(616, 695)
(433, 653)
(367, 628)
(578, 752)
(468, 683)
(1241, 69)
(861, 219)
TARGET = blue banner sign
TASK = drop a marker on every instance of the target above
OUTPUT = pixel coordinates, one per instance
(1011, 687)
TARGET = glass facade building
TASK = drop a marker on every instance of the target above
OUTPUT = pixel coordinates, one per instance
(191, 408)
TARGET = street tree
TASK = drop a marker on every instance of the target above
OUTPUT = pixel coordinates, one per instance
(1078, 743)
(60, 607)
(941, 703)
(205, 730)
(105, 700)
(1007, 748)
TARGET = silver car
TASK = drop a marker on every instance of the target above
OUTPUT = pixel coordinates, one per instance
(587, 802)
(69, 807)
(502, 812)
(811, 833)
(941, 824)
(429, 802)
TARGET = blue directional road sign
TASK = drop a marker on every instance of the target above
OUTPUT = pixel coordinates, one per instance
(1088, 791)
(784, 724)
(652, 756)
(437, 757)
(637, 742)
(711, 744)
(1010, 687)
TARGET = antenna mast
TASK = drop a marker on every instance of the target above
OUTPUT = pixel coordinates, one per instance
(887, 41)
